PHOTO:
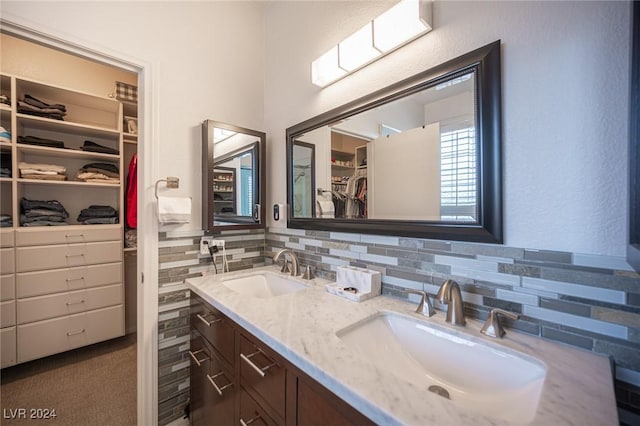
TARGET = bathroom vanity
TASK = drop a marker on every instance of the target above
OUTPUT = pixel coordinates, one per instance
(284, 358)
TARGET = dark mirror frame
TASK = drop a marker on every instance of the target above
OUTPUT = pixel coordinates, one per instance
(208, 165)
(486, 63)
(633, 247)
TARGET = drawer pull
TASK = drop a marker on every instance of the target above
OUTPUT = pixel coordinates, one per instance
(71, 333)
(74, 255)
(74, 236)
(208, 323)
(195, 358)
(75, 302)
(215, 386)
(248, 422)
(74, 279)
(260, 371)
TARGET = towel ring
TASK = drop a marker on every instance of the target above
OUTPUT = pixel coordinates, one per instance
(172, 182)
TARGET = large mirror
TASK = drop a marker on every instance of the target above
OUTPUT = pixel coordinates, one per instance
(420, 158)
(232, 176)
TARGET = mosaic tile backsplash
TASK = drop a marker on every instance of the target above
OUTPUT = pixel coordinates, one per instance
(592, 302)
(179, 259)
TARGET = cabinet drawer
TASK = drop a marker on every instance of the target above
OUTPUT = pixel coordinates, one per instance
(252, 413)
(67, 235)
(6, 238)
(214, 326)
(212, 386)
(39, 258)
(263, 373)
(7, 287)
(49, 337)
(72, 302)
(7, 347)
(29, 284)
(8, 313)
(7, 260)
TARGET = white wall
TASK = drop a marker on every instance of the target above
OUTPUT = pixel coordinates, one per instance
(207, 58)
(565, 90)
(565, 102)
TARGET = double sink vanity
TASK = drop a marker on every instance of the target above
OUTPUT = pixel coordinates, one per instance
(292, 353)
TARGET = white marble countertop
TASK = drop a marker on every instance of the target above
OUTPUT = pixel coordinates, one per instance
(302, 326)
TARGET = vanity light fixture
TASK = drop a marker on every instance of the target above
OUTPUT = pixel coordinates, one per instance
(404, 22)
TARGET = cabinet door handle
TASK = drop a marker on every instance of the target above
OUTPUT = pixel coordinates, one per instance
(208, 323)
(248, 422)
(75, 302)
(260, 371)
(71, 333)
(195, 358)
(215, 386)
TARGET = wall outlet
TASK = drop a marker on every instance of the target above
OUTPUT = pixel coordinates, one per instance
(205, 242)
(204, 245)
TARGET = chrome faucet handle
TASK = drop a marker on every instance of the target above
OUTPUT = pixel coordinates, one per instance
(424, 307)
(285, 266)
(450, 294)
(308, 273)
(492, 327)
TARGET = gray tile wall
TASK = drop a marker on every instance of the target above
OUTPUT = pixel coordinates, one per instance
(591, 302)
(179, 260)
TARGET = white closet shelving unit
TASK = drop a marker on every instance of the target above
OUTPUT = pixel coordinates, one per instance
(62, 286)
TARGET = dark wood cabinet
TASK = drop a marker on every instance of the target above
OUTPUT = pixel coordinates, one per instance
(212, 388)
(238, 379)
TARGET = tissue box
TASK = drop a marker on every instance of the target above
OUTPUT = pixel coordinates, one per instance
(367, 282)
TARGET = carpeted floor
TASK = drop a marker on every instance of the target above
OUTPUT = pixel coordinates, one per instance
(94, 385)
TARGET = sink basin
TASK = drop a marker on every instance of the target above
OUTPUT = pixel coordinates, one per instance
(263, 284)
(480, 376)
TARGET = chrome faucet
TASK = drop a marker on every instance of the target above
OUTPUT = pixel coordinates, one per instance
(424, 307)
(450, 294)
(294, 261)
(492, 326)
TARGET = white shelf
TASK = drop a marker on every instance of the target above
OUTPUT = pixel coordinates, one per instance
(50, 125)
(67, 183)
(65, 153)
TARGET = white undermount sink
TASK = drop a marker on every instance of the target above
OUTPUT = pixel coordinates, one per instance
(263, 284)
(483, 377)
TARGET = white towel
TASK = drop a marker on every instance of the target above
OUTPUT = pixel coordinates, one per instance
(325, 208)
(174, 209)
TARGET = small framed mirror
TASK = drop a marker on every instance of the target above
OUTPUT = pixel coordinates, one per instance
(232, 177)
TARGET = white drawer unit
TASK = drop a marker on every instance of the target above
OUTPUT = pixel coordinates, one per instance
(7, 261)
(6, 238)
(7, 313)
(7, 287)
(42, 338)
(8, 347)
(67, 235)
(55, 305)
(38, 258)
(30, 284)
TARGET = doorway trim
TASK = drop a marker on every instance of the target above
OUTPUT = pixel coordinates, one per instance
(148, 153)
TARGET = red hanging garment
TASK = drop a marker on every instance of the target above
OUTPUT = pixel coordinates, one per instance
(132, 193)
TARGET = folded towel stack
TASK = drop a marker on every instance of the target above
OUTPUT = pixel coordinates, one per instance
(94, 147)
(33, 106)
(99, 173)
(96, 214)
(42, 171)
(33, 140)
(5, 135)
(42, 213)
(6, 221)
